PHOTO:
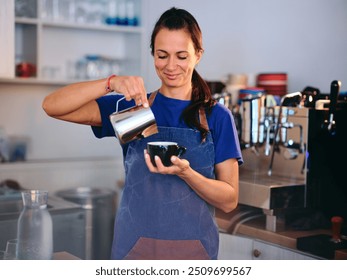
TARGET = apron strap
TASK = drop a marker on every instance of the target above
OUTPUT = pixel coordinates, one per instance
(152, 97)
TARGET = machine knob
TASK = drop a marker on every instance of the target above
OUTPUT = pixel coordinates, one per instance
(256, 253)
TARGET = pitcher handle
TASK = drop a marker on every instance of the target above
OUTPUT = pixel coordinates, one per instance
(151, 99)
(120, 99)
(181, 150)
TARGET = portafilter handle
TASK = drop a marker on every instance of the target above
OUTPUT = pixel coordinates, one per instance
(334, 93)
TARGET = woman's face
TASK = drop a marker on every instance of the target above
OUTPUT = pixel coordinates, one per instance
(175, 58)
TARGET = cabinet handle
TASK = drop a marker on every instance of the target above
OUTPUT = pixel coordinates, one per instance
(256, 253)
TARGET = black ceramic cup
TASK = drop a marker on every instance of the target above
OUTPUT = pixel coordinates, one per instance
(164, 150)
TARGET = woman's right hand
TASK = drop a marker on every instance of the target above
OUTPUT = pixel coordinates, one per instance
(76, 102)
(132, 87)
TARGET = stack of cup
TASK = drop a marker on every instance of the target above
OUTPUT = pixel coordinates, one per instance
(11, 250)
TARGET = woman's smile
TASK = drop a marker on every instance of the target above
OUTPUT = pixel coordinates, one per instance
(171, 76)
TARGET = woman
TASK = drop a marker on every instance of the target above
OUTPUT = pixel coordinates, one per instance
(165, 212)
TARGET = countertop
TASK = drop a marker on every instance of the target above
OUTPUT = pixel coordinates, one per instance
(255, 228)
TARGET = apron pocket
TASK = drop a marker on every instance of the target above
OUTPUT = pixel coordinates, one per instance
(158, 249)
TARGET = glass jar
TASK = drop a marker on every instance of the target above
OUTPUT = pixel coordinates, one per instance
(93, 63)
(35, 227)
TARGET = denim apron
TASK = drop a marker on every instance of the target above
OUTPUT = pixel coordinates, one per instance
(160, 216)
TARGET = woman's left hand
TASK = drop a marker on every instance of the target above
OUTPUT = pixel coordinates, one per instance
(178, 167)
(221, 192)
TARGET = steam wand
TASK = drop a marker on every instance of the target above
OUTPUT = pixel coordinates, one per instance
(287, 96)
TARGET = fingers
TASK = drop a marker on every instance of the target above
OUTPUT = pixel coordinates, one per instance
(148, 161)
(132, 87)
(178, 165)
(151, 167)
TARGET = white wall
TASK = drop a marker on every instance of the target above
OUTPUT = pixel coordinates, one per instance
(21, 114)
(305, 38)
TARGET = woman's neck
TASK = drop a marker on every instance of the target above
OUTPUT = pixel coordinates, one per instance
(180, 93)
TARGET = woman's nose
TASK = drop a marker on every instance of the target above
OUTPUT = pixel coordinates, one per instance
(172, 63)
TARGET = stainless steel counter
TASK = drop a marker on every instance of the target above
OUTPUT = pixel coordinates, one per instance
(11, 206)
(273, 194)
(270, 192)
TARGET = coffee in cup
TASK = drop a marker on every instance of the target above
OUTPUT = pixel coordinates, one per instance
(164, 150)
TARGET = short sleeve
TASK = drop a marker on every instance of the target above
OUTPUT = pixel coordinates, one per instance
(225, 136)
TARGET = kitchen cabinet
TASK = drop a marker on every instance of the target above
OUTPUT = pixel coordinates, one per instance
(233, 247)
(56, 43)
(265, 251)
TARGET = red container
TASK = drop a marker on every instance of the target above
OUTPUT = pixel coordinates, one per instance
(25, 70)
(273, 83)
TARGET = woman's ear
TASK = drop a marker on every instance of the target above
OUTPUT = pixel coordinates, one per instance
(199, 56)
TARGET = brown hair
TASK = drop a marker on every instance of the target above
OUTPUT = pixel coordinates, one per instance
(176, 19)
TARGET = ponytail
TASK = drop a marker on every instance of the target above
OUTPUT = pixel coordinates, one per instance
(201, 98)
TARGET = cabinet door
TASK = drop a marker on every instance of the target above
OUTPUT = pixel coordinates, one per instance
(7, 39)
(266, 251)
(232, 247)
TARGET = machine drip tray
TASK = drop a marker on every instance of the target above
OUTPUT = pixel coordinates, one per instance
(320, 245)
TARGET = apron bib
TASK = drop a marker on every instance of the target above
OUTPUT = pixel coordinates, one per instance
(160, 216)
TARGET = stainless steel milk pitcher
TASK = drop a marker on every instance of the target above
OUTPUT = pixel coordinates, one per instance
(133, 123)
(252, 112)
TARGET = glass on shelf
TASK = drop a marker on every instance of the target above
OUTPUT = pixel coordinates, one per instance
(109, 12)
(94, 66)
(121, 12)
(58, 10)
(26, 8)
(50, 72)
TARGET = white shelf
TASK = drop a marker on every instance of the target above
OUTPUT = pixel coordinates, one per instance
(25, 20)
(35, 81)
(94, 27)
(53, 45)
(71, 25)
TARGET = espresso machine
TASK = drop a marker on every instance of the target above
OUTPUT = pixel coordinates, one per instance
(326, 180)
(292, 154)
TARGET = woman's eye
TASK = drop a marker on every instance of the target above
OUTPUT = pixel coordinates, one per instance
(162, 56)
(182, 57)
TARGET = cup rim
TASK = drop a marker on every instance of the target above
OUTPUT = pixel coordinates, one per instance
(162, 143)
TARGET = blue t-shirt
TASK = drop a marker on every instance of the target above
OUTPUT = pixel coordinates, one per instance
(167, 112)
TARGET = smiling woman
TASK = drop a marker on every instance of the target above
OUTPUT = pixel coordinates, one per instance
(166, 211)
